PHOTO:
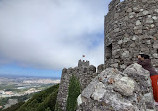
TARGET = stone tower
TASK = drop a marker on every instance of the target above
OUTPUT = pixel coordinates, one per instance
(84, 73)
(131, 27)
(83, 63)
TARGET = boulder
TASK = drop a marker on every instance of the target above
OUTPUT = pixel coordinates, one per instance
(142, 77)
(113, 90)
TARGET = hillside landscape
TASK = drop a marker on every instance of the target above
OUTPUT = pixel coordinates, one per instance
(15, 89)
(114, 41)
(41, 101)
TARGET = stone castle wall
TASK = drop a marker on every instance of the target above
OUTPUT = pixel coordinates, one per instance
(131, 27)
(84, 72)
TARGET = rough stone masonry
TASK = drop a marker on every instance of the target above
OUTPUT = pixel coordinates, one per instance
(131, 27)
(84, 72)
(113, 90)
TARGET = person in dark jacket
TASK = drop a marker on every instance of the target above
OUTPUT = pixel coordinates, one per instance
(145, 61)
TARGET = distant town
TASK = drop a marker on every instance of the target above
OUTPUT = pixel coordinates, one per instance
(16, 86)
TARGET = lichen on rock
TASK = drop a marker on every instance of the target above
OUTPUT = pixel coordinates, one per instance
(113, 90)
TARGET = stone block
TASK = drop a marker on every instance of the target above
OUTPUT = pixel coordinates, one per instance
(149, 20)
(155, 55)
(99, 91)
(138, 22)
(125, 86)
(125, 54)
(145, 12)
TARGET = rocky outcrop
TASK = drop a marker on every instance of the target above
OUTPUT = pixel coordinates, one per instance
(140, 75)
(113, 90)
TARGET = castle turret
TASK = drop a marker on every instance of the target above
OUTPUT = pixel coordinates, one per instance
(130, 29)
(83, 63)
(84, 73)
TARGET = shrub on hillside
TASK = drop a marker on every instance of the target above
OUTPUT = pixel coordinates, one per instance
(42, 101)
(73, 93)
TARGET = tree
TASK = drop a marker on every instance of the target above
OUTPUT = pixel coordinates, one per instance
(73, 93)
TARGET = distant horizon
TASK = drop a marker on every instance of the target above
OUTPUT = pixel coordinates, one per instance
(27, 76)
(39, 38)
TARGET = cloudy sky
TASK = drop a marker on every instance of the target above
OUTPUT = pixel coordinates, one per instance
(40, 37)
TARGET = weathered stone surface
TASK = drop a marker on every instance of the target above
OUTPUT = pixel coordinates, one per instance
(84, 72)
(120, 42)
(132, 14)
(155, 45)
(89, 90)
(125, 86)
(145, 12)
(100, 68)
(155, 55)
(149, 20)
(142, 77)
(129, 10)
(134, 30)
(116, 91)
(156, 10)
(122, 66)
(138, 22)
(130, 28)
(79, 100)
(114, 65)
(134, 37)
(155, 17)
(116, 30)
(148, 42)
(125, 54)
(99, 91)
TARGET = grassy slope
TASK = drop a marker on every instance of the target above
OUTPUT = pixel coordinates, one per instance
(42, 101)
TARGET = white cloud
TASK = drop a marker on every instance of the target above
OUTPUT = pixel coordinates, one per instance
(51, 33)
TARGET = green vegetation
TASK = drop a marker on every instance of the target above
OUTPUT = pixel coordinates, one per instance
(14, 107)
(46, 100)
(3, 101)
(8, 87)
(74, 92)
(42, 101)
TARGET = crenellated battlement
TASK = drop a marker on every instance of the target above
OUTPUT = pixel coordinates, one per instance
(83, 63)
